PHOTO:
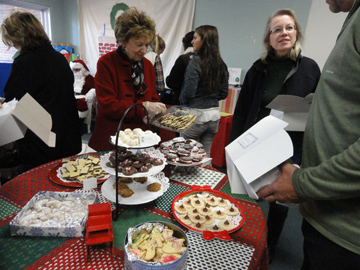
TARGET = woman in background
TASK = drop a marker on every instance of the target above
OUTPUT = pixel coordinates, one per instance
(281, 70)
(205, 83)
(125, 77)
(156, 48)
(175, 79)
(46, 75)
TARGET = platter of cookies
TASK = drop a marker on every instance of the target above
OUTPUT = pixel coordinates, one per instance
(136, 138)
(72, 173)
(210, 212)
(181, 152)
(135, 190)
(144, 162)
(176, 118)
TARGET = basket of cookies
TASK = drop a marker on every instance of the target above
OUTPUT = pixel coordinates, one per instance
(210, 212)
(156, 245)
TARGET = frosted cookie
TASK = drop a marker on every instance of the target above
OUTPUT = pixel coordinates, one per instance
(219, 214)
(231, 211)
(198, 203)
(213, 201)
(214, 228)
(199, 226)
(197, 218)
(205, 211)
(209, 219)
(226, 224)
(223, 202)
(180, 208)
(185, 219)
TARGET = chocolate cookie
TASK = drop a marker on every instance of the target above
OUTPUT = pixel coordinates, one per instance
(186, 160)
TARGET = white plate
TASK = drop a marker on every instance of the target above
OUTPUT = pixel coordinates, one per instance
(153, 170)
(141, 194)
(121, 143)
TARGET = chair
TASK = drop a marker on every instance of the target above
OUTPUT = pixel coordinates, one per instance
(99, 228)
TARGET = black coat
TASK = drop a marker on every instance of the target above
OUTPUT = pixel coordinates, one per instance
(301, 81)
(46, 76)
(176, 77)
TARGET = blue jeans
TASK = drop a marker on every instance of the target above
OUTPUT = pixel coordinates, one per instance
(203, 133)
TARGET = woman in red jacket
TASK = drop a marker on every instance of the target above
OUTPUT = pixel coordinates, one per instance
(125, 77)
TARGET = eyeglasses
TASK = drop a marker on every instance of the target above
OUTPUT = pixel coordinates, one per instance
(279, 30)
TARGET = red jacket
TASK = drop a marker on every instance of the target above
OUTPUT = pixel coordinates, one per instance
(115, 94)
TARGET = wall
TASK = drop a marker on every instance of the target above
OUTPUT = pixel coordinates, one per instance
(321, 32)
(240, 23)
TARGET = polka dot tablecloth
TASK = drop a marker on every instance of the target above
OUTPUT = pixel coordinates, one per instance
(245, 250)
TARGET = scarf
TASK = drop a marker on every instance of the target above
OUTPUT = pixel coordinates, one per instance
(137, 73)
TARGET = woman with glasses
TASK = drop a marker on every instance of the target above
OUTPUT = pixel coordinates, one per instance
(125, 77)
(281, 70)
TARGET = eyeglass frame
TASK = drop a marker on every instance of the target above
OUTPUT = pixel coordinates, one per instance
(278, 31)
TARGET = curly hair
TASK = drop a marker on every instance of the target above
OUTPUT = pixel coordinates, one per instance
(299, 34)
(211, 64)
(133, 23)
(25, 30)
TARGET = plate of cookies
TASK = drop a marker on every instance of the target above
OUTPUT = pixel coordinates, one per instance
(181, 152)
(176, 118)
(207, 211)
(135, 190)
(144, 162)
(72, 173)
(136, 138)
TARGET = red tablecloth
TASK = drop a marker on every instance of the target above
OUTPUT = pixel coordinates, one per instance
(221, 140)
(69, 253)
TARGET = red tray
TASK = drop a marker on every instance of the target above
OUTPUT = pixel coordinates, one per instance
(209, 235)
(53, 175)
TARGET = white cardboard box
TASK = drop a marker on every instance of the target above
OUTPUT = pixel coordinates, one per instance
(27, 113)
(252, 158)
(292, 109)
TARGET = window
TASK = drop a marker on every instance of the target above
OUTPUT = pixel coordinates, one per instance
(6, 7)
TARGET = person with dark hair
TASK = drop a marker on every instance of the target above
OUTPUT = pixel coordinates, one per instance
(46, 75)
(124, 77)
(327, 186)
(206, 82)
(175, 79)
(281, 70)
